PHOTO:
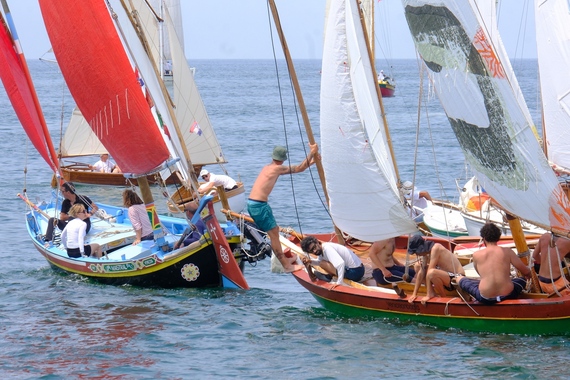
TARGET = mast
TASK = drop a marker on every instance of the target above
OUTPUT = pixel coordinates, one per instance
(302, 107)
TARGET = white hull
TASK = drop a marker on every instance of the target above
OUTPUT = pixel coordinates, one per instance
(444, 222)
(474, 221)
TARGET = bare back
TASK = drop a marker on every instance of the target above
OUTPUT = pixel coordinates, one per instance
(494, 266)
(266, 180)
(549, 256)
(443, 259)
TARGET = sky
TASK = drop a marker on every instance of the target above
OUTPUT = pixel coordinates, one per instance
(238, 29)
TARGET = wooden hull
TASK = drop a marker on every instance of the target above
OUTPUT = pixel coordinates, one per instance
(386, 89)
(530, 314)
(81, 174)
(146, 264)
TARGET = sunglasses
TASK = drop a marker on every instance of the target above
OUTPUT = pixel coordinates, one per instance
(314, 248)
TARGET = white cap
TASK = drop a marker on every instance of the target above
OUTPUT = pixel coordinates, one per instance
(204, 172)
(407, 188)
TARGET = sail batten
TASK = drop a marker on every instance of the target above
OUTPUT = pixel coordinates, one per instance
(492, 125)
(360, 173)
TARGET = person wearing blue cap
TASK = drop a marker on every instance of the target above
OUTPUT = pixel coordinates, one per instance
(259, 209)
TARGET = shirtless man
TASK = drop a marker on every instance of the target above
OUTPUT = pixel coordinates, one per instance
(493, 264)
(387, 269)
(442, 267)
(549, 252)
(260, 210)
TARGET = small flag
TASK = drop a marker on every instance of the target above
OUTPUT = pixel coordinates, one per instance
(195, 128)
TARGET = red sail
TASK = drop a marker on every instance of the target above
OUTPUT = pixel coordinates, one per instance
(103, 82)
(21, 96)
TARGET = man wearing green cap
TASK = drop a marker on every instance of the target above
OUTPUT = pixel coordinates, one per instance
(260, 210)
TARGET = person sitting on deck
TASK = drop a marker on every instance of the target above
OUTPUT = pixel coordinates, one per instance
(73, 235)
(214, 180)
(493, 263)
(333, 258)
(71, 198)
(388, 269)
(442, 267)
(196, 230)
(138, 216)
(104, 165)
(548, 257)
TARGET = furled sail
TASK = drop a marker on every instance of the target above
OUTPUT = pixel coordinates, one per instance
(360, 172)
(104, 83)
(552, 20)
(17, 83)
(485, 114)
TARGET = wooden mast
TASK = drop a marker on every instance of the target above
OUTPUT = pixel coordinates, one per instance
(302, 107)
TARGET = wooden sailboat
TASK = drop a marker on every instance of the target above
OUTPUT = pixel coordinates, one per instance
(109, 94)
(453, 43)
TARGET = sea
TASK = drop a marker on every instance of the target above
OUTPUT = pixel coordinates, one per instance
(61, 326)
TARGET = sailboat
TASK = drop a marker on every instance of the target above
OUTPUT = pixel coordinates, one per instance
(454, 44)
(386, 83)
(113, 101)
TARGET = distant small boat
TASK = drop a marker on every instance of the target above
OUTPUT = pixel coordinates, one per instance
(387, 88)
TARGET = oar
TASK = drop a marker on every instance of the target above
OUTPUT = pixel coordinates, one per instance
(32, 205)
(235, 215)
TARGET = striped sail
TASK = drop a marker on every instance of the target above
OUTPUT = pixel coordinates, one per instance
(103, 82)
(552, 19)
(489, 121)
(360, 173)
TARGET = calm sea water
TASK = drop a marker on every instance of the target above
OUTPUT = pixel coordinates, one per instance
(62, 326)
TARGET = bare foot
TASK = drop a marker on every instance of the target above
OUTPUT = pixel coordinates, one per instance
(412, 299)
(292, 268)
(425, 299)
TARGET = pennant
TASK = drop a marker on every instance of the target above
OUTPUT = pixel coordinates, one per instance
(195, 128)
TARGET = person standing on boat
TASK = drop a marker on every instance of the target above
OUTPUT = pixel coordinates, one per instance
(439, 268)
(214, 180)
(138, 216)
(71, 198)
(493, 263)
(548, 256)
(259, 209)
(104, 165)
(335, 259)
(417, 199)
(73, 235)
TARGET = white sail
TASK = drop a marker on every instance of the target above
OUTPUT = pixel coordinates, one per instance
(485, 114)
(552, 19)
(79, 139)
(197, 131)
(360, 173)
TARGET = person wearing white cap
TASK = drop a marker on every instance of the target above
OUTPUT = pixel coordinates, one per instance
(418, 199)
(213, 180)
(260, 210)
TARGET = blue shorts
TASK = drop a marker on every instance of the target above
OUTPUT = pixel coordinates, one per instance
(354, 274)
(472, 287)
(261, 214)
(397, 274)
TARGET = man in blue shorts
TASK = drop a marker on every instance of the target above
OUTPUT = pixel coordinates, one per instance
(493, 263)
(260, 210)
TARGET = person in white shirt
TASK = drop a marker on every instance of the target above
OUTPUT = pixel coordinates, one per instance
(104, 165)
(73, 235)
(213, 180)
(138, 216)
(417, 199)
(333, 258)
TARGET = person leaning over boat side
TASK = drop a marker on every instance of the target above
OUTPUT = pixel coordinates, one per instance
(388, 269)
(138, 216)
(418, 199)
(196, 230)
(71, 198)
(493, 263)
(335, 259)
(547, 256)
(213, 180)
(73, 235)
(257, 205)
(104, 165)
(442, 267)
